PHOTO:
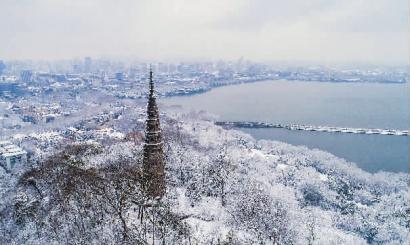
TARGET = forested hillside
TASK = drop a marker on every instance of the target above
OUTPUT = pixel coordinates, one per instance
(222, 187)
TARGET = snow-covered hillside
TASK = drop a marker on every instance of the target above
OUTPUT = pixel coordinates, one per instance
(271, 191)
(223, 187)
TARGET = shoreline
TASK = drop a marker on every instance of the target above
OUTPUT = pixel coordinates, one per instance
(201, 90)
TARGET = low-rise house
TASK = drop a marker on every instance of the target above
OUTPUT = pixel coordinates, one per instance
(11, 155)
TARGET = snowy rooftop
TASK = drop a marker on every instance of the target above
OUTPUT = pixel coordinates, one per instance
(8, 149)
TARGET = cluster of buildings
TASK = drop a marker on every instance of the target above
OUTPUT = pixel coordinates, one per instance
(35, 114)
(325, 74)
(127, 80)
(36, 94)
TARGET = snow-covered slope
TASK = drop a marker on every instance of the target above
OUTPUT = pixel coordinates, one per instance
(223, 187)
(268, 191)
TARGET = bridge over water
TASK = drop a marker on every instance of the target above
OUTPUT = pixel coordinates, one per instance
(329, 129)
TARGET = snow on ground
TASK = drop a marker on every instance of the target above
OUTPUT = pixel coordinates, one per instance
(347, 199)
(229, 188)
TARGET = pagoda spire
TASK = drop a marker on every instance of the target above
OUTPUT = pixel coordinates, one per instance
(153, 161)
(151, 83)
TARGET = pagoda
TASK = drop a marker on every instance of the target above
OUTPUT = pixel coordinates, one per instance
(153, 161)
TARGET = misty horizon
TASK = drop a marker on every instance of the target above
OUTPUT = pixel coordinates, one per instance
(319, 32)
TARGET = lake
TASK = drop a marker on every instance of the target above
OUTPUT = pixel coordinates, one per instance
(358, 105)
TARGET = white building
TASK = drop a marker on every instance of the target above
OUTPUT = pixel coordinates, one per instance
(11, 155)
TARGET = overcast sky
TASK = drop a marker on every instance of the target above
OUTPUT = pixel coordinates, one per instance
(370, 31)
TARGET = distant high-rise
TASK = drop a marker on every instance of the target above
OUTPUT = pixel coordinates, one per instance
(87, 64)
(2, 67)
(119, 76)
(26, 75)
(153, 162)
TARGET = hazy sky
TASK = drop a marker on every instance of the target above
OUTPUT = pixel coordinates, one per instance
(371, 31)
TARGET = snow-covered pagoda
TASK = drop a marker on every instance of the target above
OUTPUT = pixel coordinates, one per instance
(153, 162)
